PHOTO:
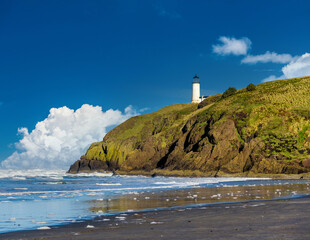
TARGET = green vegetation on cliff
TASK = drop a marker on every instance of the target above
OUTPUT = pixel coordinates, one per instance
(262, 130)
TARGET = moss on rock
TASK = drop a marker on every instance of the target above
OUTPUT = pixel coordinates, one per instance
(252, 132)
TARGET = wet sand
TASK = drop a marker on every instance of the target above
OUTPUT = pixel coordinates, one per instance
(275, 219)
(192, 196)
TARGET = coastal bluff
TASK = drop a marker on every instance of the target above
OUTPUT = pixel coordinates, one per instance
(262, 130)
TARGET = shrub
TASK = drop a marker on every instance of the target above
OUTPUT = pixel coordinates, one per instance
(230, 91)
(251, 87)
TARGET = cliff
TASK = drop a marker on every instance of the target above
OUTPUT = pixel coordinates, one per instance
(265, 130)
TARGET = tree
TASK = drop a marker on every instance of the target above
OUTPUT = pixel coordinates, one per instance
(251, 87)
(230, 91)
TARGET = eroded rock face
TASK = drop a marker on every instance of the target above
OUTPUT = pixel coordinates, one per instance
(216, 147)
(86, 166)
(266, 130)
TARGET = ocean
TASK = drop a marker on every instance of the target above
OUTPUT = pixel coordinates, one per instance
(35, 199)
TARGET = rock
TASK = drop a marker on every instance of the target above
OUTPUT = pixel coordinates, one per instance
(306, 163)
(243, 133)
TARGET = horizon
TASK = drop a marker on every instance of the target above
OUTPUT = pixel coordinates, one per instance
(65, 64)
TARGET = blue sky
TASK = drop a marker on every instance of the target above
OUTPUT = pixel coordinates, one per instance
(141, 53)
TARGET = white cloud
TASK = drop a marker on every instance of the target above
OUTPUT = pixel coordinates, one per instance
(232, 46)
(268, 57)
(298, 67)
(65, 135)
(270, 78)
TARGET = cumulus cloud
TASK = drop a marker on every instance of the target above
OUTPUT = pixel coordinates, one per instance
(232, 46)
(298, 67)
(62, 137)
(268, 57)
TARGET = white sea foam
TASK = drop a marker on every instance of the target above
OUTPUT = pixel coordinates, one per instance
(109, 184)
(43, 228)
(45, 173)
(95, 174)
(188, 182)
(23, 174)
(49, 183)
(183, 183)
(18, 178)
(165, 183)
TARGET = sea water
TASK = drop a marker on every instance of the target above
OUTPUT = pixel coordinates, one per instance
(34, 199)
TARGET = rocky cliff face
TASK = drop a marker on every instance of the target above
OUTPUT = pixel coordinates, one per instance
(266, 130)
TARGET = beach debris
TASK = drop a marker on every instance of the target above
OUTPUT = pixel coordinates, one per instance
(90, 226)
(43, 228)
(121, 218)
(156, 223)
(13, 219)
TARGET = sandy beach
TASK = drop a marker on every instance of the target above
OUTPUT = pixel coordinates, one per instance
(266, 219)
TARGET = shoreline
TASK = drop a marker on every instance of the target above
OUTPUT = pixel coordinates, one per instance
(198, 174)
(97, 196)
(259, 219)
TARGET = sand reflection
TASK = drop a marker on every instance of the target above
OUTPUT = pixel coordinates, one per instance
(183, 197)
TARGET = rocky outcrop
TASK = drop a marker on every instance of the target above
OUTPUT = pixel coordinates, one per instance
(250, 132)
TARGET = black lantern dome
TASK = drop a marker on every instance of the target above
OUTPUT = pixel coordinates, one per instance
(196, 79)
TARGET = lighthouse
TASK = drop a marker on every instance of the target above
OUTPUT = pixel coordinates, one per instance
(196, 90)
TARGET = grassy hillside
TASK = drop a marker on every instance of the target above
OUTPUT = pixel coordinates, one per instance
(278, 112)
(266, 130)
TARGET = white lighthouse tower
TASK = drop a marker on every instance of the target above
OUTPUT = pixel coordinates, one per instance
(196, 90)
